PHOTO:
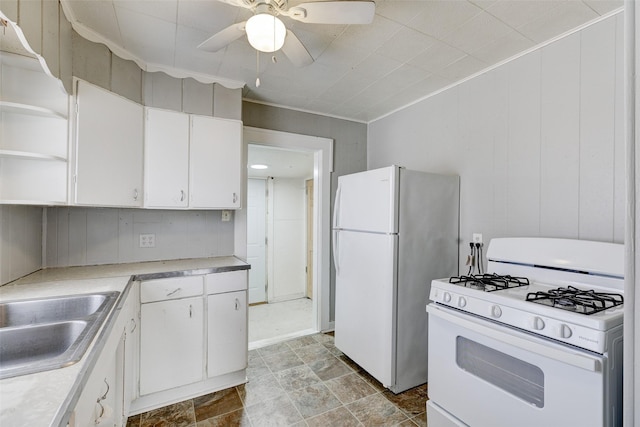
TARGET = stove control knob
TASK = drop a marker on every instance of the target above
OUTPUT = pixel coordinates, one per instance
(496, 311)
(565, 331)
(537, 323)
(462, 302)
(446, 297)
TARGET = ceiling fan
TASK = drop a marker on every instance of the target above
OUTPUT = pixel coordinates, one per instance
(267, 33)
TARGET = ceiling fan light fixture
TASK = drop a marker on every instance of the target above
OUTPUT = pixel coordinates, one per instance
(265, 32)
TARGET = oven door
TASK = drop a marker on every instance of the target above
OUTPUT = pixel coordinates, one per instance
(486, 374)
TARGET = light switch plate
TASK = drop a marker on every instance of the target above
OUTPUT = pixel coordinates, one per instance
(226, 216)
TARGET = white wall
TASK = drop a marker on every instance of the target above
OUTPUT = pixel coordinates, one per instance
(537, 142)
(20, 241)
(286, 236)
(90, 236)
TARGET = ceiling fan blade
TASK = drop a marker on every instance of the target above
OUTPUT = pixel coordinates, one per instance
(334, 12)
(295, 50)
(239, 3)
(223, 38)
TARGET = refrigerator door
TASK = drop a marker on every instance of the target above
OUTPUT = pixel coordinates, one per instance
(367, 201)
(366, 301)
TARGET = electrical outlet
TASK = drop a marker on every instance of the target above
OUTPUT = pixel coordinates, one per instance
(148, 240)
(226, 216)
(477, 238)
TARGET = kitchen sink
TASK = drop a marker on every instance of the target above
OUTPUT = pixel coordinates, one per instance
(49, 333)
(49, 310)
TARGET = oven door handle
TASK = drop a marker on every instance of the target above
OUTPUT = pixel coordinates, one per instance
(565, 356)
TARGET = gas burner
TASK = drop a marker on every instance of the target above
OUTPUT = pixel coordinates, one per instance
(578, 300)
(489, 282)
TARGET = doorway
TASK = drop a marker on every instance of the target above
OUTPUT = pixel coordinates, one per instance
(277, 234)
(315, 234)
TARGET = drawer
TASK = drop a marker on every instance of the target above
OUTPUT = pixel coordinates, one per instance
(227, 281)
(167, 289)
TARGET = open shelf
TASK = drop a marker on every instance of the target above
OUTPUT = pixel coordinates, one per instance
(25, 155)
(14, 107)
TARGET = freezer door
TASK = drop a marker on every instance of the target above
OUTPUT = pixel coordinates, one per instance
(365, 314)
(367, 201)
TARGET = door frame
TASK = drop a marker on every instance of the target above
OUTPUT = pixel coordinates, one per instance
(323, 166)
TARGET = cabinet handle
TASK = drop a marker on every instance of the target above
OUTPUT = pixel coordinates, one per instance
(235, 197)
(134, 323)
(135, 194)
(104, 396)
(174, 291)
(190, 311)
(182, 195)
(99, 418)
(237, 304)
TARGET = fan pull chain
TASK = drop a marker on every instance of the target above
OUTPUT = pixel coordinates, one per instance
(257, 68)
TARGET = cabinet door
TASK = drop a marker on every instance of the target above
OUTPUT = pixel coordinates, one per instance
(129, 367)
(171, 344)
(100, 401)
(227, 335)
(109, 131)
(215, 167)
(166, 158)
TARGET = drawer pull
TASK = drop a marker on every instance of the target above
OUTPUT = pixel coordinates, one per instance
(104, 396)
(237, 304)
(190, 311)
(174, 292)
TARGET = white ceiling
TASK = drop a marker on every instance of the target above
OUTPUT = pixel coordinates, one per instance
(361, 72)
(282, 163)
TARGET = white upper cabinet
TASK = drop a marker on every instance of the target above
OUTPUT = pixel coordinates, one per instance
(108, 148)
(166, 158)
(215, 163)
(33, 133)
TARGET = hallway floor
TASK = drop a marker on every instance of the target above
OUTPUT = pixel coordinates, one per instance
(305, 381)
(277, 320)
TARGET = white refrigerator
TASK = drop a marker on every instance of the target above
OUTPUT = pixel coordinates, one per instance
(394, 231)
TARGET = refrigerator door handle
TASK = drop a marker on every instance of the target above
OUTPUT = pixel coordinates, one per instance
(336, 207)
(336, 258)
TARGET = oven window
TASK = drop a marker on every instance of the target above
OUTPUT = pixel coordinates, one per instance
(512, 375)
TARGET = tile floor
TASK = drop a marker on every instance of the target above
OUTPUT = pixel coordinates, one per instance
(305, 381)
(270, 321)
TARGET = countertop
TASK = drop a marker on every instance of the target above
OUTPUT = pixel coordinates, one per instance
(42, 399)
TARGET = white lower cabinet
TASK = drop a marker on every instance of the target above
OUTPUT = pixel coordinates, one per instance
(100, 403)
(171, 344)
(193, 337)
(106, 396)
(227, 332)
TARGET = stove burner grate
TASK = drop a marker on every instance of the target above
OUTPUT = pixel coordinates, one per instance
(578, 300)
(489, 282)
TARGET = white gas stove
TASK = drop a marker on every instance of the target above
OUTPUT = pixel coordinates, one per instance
(550, 311)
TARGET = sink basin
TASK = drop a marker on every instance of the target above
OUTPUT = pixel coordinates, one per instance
(49, 310)
(49, 333)
(33, 344)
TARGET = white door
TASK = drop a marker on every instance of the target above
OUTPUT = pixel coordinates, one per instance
(367, 201)
(365, 300)
(256, 236)
(286, 237)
